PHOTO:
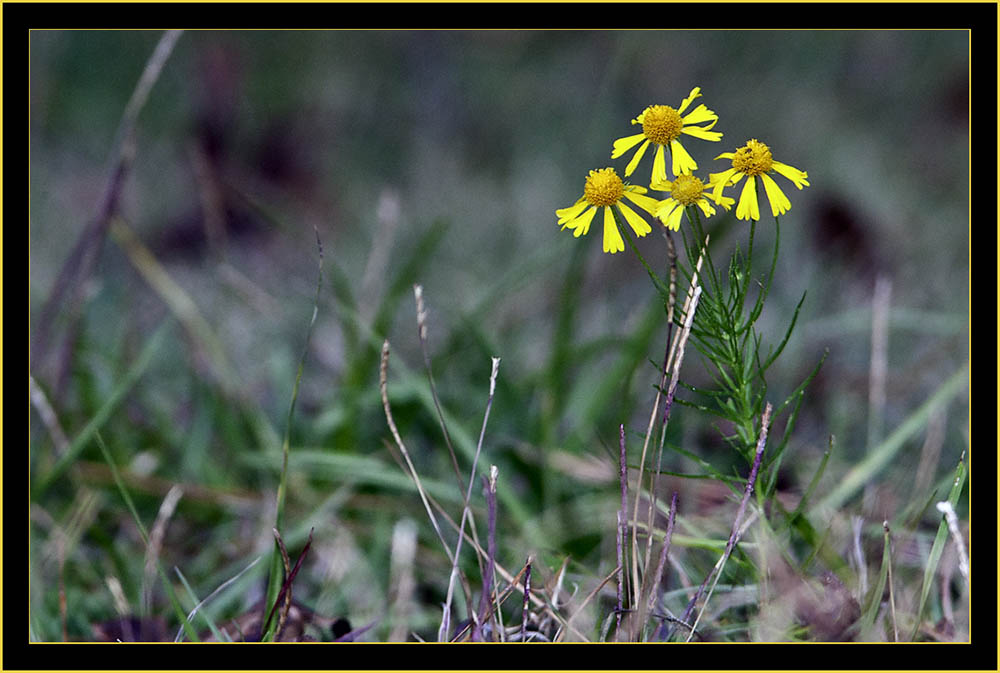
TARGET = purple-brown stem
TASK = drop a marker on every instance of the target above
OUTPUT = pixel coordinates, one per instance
(658, 575)
(622, 529)
(621, 572)
(527, 599)
(765, 421)
(285, 595)
(491, 551)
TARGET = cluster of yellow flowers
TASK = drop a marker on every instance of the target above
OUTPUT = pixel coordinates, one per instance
(663, 126)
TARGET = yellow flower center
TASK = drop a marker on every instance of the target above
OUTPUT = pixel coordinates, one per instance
(687, 189)
(603, 187)
(754, 158)
(661, 123)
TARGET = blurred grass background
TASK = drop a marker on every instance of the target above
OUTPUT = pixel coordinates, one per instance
(439, 158)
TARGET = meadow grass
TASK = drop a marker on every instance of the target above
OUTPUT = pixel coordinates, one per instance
(557, 509)
(443, 481)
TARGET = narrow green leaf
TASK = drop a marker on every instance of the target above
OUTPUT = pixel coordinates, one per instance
(875, 599)
(178, 610)
(938, 547)
(880, 456)
(276, 571)
(104, 413)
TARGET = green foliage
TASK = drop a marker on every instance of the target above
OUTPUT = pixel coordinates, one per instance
(210, 382)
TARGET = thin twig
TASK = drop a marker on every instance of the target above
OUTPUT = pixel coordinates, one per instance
(658, 575)
(500, 598)
(218, 590)
(671, 358)
(466, 511)
(156, 534)
(619, 606)
(677, 357)
(490, 491)
(384, 389)
(418, 294)
(622, 528)
(549, 606)
(734, 536)
(586, 600)
(80, 264)
(527, 597)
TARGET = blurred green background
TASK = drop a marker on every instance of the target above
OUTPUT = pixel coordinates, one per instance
(439, 158)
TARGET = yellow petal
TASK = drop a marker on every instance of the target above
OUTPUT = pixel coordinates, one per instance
(747, 208)
(683, 163)
(661, 184)
(706, 207)
(567, 214)
(673, 220)
(612, 237)
(700, 115)
(792, 173)
(635, 160)
(779, 202)
(695, 92)
(659, 164)
(666, 207)
(702, 132)
(623, 145)
(639, 225)
(581, 225)
(647, 203)
(719, 181)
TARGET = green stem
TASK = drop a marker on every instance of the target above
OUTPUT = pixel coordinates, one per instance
(275, 574)
(702, 248)
(661, 287)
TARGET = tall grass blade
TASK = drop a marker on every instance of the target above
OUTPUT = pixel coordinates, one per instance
(194, 599)
(192, 634)
(881, 455)
(275, 574)
(938, 547)
(875, 601)
(104, 413)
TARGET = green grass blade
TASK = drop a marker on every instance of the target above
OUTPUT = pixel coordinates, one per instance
(880, 456)
(191, 633)
(938, 547)
(277, 568)
(800, 508)
(875, 602)
(104, 413)
(194, 599)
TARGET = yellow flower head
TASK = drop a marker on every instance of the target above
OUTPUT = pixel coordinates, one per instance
(662, 125)
(685, 190)
(604, 189)
(754, 160)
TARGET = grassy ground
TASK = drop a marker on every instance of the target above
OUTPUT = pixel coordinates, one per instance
(439, 159)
